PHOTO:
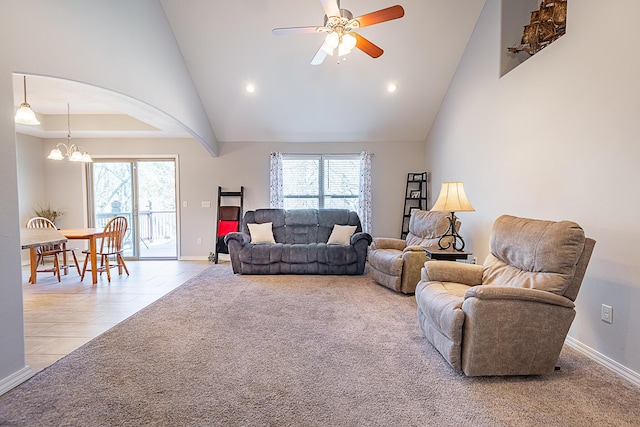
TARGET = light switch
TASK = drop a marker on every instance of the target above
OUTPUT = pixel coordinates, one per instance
(206, 204)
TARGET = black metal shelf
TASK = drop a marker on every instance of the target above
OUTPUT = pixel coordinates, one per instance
(415, 197)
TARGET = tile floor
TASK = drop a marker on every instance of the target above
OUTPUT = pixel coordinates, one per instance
(61, 316)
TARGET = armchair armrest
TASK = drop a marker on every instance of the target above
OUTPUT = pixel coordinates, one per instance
(360, 242)
(414, 248)
(235, 242)
(388, 243)
(513, 331)
(361, 236)
(449, 271)
(241, 238)
(496, 292)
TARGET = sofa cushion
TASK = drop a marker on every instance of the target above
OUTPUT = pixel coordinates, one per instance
(261, 233)
(259, 216)
(341, 234)
(300, 253)
(533, 253)
(336, 254)
(301, 226)
(327, 218)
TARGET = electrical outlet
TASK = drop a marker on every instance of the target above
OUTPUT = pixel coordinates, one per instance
(473, 260)
(606, 313)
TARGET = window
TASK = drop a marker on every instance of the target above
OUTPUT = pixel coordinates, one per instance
(321, 181)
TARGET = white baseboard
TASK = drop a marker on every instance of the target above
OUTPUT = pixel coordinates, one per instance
(194, 258)
(221, 257)
(15, 379)
(611, 364)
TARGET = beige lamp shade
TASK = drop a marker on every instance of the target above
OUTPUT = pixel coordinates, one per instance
(452, 198)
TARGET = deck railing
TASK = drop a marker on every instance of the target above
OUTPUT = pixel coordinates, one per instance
(154, 225)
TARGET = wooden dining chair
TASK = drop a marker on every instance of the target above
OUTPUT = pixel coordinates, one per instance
(111, 246)
(42, 252)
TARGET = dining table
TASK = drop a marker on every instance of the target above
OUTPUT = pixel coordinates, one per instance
(33, 238)
(92, 235)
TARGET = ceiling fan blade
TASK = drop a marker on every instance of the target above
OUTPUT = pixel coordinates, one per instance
(296, 30)
(382, 15)
(319, 57)
(330, 7)
(367, 47)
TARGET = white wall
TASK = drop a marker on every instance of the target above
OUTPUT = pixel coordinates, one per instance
(12, 364)
(120, 45)
(556, 138)
(32, 185)
(239, 164)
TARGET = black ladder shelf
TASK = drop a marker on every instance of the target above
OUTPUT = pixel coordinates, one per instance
(415, 197)
(229, 219)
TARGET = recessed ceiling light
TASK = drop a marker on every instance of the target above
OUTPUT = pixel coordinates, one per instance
(250, 88)
(391, 88)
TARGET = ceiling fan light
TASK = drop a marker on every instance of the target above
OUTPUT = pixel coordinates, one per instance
(348, 41)
(55, 154)
(342, 50)
(332, 40)
(26, 116)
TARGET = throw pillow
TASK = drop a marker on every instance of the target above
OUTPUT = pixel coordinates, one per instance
(261, 233)
(341, 234)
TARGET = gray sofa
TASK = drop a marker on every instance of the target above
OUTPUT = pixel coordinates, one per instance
(300, 245)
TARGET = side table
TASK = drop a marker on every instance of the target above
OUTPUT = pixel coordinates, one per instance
(446, 255)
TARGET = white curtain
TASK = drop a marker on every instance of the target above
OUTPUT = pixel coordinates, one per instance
(365, 208)
(276, 199)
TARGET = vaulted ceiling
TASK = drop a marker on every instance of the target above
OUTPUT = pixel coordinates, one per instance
(227, 45)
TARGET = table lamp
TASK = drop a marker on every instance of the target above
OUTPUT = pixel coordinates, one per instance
(452, 199)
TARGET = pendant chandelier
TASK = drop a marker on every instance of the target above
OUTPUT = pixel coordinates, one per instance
(73, 152)
(25, 115)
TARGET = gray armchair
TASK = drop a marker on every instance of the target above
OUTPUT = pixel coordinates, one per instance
(396, 263)
(510, 316)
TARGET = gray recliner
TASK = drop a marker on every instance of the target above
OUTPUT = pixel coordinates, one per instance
(511, 315)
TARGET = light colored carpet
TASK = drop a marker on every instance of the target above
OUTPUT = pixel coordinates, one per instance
(301, 351)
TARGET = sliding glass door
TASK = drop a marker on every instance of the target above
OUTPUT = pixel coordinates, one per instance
(144, 191)
(157, 209)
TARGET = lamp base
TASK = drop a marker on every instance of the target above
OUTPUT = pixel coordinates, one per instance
(455, 240)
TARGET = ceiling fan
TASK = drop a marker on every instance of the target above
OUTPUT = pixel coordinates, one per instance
(340, 27)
